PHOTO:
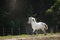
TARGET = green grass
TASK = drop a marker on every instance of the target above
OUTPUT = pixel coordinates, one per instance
(9, 36)
(25, 35)
(14, 36)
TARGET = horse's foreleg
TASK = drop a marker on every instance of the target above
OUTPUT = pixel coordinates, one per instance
(36, 32)
(33, 31)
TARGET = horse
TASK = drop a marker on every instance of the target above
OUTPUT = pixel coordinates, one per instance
(37, 25)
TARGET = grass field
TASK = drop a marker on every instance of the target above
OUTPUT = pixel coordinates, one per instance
(49, 36)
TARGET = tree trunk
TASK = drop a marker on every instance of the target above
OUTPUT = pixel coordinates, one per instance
(12, 30)
(51, 30)
(56, 28)
(19, 30)
(3, 31)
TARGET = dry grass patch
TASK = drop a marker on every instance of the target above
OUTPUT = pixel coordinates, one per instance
(32, 37)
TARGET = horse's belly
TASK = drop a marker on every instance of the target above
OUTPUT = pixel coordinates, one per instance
(36, 27)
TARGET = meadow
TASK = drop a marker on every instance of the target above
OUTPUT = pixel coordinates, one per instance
(49, 36)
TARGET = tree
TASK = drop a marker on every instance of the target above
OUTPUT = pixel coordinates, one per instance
(15, 13)
(54, 13)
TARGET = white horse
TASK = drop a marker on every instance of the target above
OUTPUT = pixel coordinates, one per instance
(37, 25)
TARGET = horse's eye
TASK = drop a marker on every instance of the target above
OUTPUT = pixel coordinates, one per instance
(33, 19)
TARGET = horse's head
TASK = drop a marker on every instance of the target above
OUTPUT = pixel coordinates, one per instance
(31, 19)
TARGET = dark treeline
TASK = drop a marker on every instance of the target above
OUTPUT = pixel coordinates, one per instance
(14, 15)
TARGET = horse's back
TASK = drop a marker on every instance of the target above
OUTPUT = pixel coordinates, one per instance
(40, 23)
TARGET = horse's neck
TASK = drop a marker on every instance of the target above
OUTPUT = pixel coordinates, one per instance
(33, 23)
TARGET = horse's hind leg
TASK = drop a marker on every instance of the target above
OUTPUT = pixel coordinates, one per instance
(44, 32)
(36, 32)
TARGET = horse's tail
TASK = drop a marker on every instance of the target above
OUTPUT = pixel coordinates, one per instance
(46, 27)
